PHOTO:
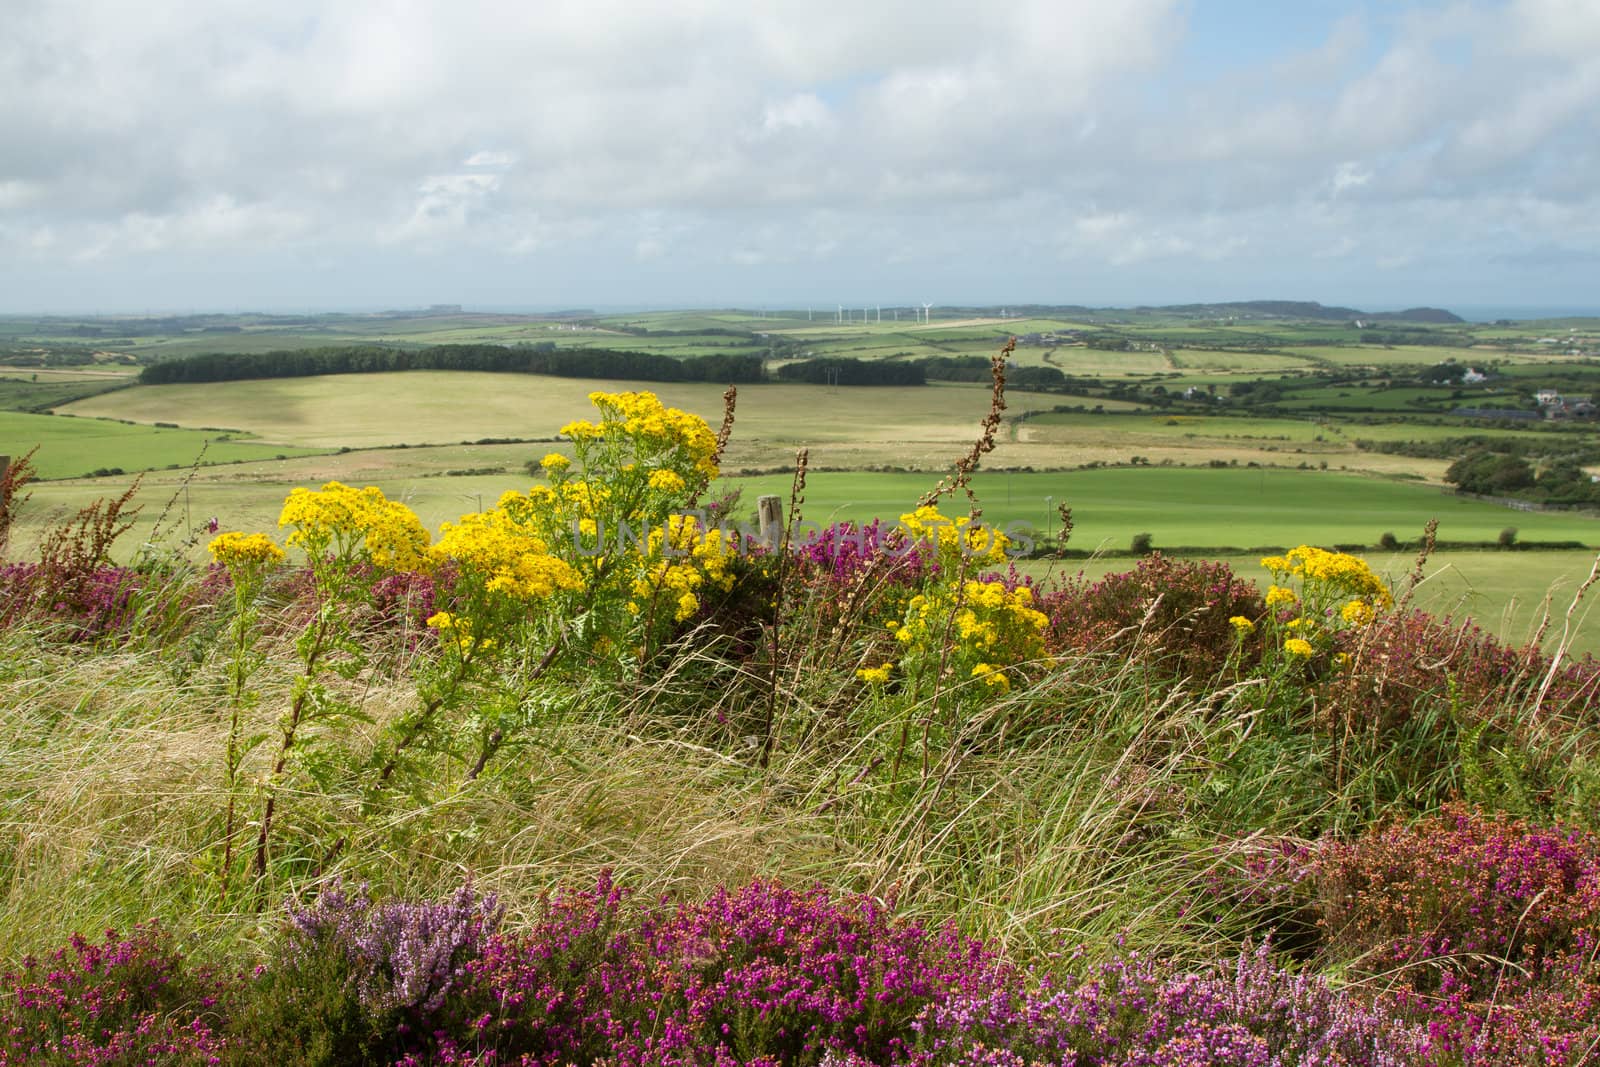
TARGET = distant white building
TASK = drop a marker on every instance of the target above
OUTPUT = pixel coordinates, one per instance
(1547, 397)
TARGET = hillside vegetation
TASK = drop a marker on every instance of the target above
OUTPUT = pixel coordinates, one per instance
(604, 772)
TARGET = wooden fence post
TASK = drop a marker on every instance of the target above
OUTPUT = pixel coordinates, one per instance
(769, 512)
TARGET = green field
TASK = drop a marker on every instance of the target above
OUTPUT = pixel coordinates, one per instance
(1204, 508)
(73, 447)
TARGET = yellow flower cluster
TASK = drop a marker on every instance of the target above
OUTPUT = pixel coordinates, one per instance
(666, 481)
(1278, 596)
(687, 560)
(1242, 626)
(1336, 572)
(241, 551)
(512, 559)
(991, 628)
(875, 675)
(582, 430)
(652, 427)
(992, 676)
(586, 499)
(459, 629)
(338, 517)
(1330, 583)
(1357, 613)
(983, 545)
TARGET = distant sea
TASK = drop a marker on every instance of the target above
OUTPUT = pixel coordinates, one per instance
(1491, 313)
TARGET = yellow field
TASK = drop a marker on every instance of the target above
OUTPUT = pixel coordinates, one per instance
(924, 426)
(913, 427)
(442, 407)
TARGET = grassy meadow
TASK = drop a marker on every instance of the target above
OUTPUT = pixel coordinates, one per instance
(487, 796)
(441, 407)
(1196, 508)
(367, 791)
(74, 447)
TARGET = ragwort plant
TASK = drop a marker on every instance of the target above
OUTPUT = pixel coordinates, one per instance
(603, 564)
(350, 537)
(1337, 594)
(249, 559)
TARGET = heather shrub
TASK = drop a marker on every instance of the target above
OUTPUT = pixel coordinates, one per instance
(844, 552)
(1489, 924)
(1462, 891)
(1173, 614)
(352, 981)
(1134, 1011)
(121, 1000)
(92, 604)
(1407, 657)
(151, 602)
(1447, 710)
(761, 973)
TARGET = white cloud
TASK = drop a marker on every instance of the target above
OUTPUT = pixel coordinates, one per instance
(797, 112)
(499, 160)
(819, 138)
(1350, 175)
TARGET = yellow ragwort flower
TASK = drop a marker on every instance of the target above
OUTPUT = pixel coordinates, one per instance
(1357, 613)
(340, 518)
(236, 550)
(666, 481)
(1298, 646)
(992, 676)
(875, 675)
(1278, 595)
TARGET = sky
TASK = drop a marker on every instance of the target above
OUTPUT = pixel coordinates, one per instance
(244, 155)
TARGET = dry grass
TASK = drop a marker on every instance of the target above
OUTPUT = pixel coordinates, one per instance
(443, 407)
(113, 798)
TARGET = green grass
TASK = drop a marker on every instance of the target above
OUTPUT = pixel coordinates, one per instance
(22, 394)
(1239, 507)
(1391, 399)
(72, 447)
(1265, 362)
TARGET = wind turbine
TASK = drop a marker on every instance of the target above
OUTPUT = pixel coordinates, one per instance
(926, 317)
(838, 316)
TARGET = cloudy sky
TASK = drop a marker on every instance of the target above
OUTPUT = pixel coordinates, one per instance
(224, 154)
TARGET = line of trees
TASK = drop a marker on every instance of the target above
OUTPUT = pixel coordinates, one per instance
(976, 369)
(843, 371)
(584, 363)
(518, 359)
